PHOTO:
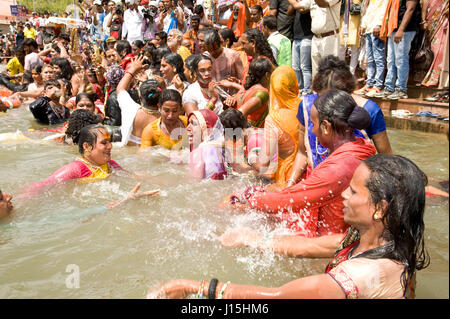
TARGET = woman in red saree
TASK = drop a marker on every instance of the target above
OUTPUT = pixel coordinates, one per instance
(313, 207)
(377, 258)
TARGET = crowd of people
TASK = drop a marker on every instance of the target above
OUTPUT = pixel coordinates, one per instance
(254, 86)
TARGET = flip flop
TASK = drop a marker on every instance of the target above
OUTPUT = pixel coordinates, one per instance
(427, 114)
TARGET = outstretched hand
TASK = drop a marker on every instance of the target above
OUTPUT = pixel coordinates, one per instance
(174, 289)
(240, 237)
(133, 194)
(136, 65)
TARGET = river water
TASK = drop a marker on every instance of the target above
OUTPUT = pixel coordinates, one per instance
(123, 252)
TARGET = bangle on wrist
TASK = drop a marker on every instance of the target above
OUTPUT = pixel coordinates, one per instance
(222, 291)
(200, 290)
(212, 288)
(130, 73)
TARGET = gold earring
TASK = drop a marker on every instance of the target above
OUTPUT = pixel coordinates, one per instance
(375, 217)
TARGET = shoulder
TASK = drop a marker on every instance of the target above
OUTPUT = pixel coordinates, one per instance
(369, 278)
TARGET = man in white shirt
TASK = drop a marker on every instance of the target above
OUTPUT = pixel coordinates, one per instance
(133, 20)
(325, 20)
(32, 58)
(108, 18)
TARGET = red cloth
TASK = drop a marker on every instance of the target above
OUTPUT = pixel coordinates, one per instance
(313, 207)
(127, 60)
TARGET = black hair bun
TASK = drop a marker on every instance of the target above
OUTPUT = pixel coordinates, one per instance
(359, 119)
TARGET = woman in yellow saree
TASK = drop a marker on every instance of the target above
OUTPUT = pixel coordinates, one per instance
(281, 126)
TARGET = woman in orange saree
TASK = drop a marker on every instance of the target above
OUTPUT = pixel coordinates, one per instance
(281, 125)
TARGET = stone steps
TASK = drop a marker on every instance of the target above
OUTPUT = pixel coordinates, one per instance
(415, 104)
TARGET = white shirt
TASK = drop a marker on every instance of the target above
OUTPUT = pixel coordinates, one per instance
(31, 61)
(128, 108)
(323, 19)
(132, 25)
(193, 94)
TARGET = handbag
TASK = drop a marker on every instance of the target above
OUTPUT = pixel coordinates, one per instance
(424, 56)
(355, 9)
(420, 58)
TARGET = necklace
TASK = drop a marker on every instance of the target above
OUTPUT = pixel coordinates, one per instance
(149, 112)
(91, 166)
(317, 149)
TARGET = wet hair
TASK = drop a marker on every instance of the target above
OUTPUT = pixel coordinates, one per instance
(270, 22)
(228, 34)
(258, 68)
(234, 123)
(64, 65)
(83, 95)
(333, 73)
(401, 184)
(88, 134)
(52, 82)
(139, 44)
(261, 45)
(123, 45)
(79, 119)
(176, 60)
(340, 109)
(170, 95)
(201, 58)
(150, 91)
(162, 35)
(191, 61)
(232, 118)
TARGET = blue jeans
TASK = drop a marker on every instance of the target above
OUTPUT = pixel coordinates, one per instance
(301, 63)
(398, 62)
(375, 61)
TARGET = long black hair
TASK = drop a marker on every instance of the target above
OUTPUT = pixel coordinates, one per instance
(258, 68)
(340, 109)
(397, 181)
(175, 60)
(261, 44)
(64, 65)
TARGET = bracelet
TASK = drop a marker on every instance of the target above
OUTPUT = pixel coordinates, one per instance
(200, 290)
(291, 180)
(212, 288)
(210, 105)
(220, 296)
(130, 74)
